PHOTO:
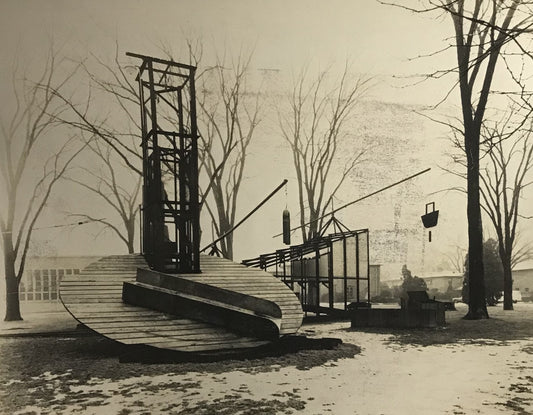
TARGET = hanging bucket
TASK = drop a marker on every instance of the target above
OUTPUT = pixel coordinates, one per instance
(431, 218)
(286, 227)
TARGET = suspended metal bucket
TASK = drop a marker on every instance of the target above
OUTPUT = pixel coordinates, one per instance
(431, 218)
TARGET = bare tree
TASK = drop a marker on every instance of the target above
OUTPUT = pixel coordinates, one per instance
(115, 178)
(483, 32)
(503, 181)
(313, 127)
(507, 158)
(228, 117)
(120, 193)
(522, 251)
(457, 259)
(27, 177)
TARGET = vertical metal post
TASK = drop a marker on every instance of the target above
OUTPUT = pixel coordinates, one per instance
(345, 272)
(317, 279)
(357, 274)
(330, 275)
(184, 174)
(141, 236)
(193, 188)
(368, 263)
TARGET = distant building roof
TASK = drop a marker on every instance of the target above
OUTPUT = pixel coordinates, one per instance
(441, 274)
(526, 265)
(60, 261)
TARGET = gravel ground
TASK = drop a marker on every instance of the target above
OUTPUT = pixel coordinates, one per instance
(468, 367)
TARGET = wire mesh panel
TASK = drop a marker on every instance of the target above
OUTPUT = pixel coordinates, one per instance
(328, 273)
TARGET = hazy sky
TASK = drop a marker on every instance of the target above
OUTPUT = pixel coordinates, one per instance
(376, 39)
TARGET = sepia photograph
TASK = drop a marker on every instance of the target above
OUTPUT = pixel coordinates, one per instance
(252, 207)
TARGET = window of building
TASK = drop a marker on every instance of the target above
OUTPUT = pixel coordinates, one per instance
(45, 284)
(29, 287)
(37, 295)
(53, 284)
(22, 290)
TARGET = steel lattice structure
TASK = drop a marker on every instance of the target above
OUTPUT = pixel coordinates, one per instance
(170, 208)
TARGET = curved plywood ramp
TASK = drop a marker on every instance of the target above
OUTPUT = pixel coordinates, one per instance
(94, 298)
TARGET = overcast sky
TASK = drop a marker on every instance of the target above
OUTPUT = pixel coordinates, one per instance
(377, 40)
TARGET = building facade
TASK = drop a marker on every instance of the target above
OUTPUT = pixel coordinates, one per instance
(42, 275)
(523, 282)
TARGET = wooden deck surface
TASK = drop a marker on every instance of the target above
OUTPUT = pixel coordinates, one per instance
(94, 297)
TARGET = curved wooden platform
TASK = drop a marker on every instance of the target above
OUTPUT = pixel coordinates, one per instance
(94, 298)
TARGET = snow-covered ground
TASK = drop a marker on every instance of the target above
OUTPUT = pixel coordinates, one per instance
(467, 368)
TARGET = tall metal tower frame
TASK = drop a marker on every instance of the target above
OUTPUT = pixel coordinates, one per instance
(170, 207)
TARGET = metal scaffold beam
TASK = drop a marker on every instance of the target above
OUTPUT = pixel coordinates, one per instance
(170, 222)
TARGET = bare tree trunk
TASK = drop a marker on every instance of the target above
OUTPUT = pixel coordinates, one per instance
(229, 247)
(130, 232)
(477, 307)
(313, 226)
(12, 284)
(22, 141)
(507, 284)
(131, 248)
(226, 244)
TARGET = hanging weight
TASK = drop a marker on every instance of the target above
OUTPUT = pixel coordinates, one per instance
(286, 227)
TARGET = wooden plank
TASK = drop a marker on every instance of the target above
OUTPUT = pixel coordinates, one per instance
(125, 324)
(91, 302)
(258, 285)
(95, 285)
(200, 334)
(109, 270)
(112, 307)
(116, 293)
(193, 347)
(235, 280)
(161, 332)
(135, 332)
(94, 298)
(101, 280)
(205, 339)
(183, 341)
(275, 292)
(248, 315)
(89, 296)
(114, 290)
(204, 332)
(140, 317)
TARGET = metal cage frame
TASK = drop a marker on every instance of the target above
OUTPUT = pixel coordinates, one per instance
(170, 208)
(281, 264)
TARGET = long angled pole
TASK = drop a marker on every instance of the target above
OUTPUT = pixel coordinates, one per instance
(358, 200)
(247, 216)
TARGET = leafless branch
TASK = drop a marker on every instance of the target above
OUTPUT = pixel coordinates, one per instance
(313, 127)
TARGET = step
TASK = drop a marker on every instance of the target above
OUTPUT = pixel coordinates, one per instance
(196, 288)
(237, 319)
